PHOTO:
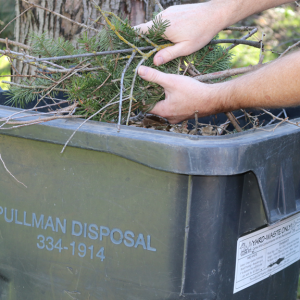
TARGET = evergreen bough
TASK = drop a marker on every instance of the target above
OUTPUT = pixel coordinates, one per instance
(97, 92)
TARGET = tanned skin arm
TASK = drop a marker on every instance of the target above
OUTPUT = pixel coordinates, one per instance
(275, 85)
(192, 27)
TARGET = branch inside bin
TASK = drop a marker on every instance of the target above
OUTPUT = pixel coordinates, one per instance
(227, 73)
(213, 42)
(52, 73)
(233, 121)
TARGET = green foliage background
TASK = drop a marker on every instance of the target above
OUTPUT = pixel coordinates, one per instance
(281, 26)
(4, 70)
(7, 13)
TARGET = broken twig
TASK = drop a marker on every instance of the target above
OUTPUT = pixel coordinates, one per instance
(10, 172)
(122, 87)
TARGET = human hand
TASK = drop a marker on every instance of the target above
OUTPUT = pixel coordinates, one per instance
(183, 96)
(192, 27)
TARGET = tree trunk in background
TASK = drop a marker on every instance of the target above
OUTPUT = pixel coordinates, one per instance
(82, 11)
(40, 21)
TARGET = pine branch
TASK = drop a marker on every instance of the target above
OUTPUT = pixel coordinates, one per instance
(242, 28)
(22, 57)
(91, 84)
(289, 48)
(233, 121)
(122, 87)
(96, 113)
(13, 43)
(213, 42)
(227, 73)
(159, 5)
(33, 87)
(65, 57)
(41, 120)
(236, 42)
(244, 38)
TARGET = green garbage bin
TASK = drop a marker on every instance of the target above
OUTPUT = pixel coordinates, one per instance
(141, 214)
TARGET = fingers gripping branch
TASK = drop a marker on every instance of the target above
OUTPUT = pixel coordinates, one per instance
(153, 75)
(170, 53)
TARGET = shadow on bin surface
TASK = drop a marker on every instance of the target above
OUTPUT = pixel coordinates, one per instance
(142, 214)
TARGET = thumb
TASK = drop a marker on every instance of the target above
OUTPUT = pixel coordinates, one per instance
(153, 75)
(167, 54)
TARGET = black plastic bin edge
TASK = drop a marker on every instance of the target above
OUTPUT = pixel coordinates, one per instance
(273, 156)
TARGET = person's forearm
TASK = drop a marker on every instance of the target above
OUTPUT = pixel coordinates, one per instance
(275, 85)
(236, 10)
(192, 26)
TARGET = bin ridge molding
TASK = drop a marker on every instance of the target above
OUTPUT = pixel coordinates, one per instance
(277, 187)
(255, 150)
(77, 228)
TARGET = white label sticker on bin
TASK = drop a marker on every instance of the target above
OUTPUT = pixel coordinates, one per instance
(266, 252)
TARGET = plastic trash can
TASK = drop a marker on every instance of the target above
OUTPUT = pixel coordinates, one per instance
(144, 214)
